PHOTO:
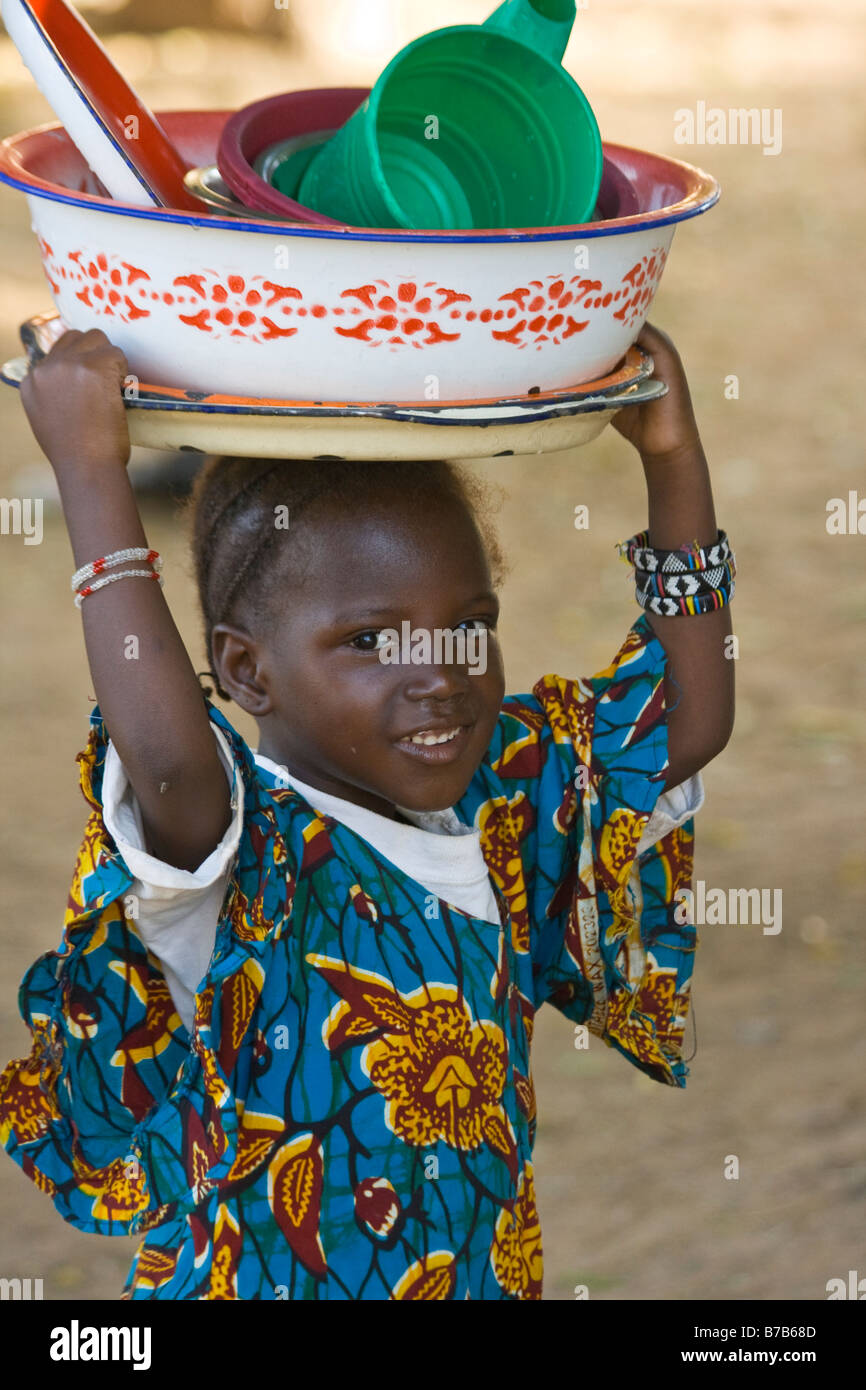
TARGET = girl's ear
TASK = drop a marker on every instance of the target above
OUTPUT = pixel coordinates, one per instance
(237, 659)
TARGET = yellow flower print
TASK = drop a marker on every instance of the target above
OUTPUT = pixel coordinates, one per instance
(516, 1256)
(441, 1072)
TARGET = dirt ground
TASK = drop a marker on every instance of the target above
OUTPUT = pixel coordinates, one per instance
(631, 1175)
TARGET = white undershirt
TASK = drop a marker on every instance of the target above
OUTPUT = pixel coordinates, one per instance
(178, 909)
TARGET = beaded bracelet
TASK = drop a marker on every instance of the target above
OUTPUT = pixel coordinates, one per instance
(684, 582)
(110, 578)
(117, 557)
(689, 557)
(686, 607)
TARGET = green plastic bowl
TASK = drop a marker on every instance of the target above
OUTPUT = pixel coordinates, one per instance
(467, 127)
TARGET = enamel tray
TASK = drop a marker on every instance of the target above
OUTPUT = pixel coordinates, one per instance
(166, 418)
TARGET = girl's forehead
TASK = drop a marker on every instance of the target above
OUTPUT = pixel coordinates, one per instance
(402, 534)
(397, 509)
(387, 552)
(370, 582)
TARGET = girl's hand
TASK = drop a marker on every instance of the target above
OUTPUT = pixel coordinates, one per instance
(665, 428)
(73, 399)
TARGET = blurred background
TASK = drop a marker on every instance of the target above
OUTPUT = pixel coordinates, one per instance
(766, 287)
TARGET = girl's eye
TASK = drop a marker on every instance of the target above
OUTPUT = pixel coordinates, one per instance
(487, 623)
(361, 643)
(377, 639)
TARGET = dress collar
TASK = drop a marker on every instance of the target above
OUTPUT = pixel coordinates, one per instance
(445, 822)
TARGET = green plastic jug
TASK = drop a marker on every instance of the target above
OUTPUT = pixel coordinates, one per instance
(470, 126)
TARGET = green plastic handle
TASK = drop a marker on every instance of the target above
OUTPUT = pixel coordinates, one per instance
(544, 25)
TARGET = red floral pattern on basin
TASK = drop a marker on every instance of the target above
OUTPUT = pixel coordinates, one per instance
(400, 317)
(395, 315)
(104, 283)
(237, 306)
(642, 280)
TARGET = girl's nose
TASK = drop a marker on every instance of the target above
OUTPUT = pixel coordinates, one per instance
(434, 681)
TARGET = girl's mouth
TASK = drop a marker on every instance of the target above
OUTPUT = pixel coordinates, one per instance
(436, 745)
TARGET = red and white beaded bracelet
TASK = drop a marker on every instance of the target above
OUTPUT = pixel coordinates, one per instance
(117, 557)
(110, 578)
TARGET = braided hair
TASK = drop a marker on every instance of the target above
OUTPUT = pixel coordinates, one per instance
(239, 550)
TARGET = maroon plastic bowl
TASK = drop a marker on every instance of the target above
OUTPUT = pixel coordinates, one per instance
(253, 129)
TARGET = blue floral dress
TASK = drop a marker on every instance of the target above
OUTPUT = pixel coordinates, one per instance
(353, 1116)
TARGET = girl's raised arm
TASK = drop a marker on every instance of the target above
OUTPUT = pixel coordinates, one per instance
(147, 691)
(699, 686)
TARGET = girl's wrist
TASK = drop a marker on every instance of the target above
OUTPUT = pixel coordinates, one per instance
(94, 467)
(100, 510)
(679, 496)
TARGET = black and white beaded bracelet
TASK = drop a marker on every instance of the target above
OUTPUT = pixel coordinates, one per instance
(688, 558)
(685, 607)
(662, 584)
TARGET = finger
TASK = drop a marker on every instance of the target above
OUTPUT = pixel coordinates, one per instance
(118, 362)
(95, 349)
(73, 340)
(94, 339)
(95, 336)
(66, 341)
(655, 339)
(664, 350)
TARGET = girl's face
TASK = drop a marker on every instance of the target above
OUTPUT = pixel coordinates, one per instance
(329, 708)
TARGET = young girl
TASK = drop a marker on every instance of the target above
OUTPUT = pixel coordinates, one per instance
(286, 1035)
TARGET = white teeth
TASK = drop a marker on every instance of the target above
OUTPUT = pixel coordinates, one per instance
(428, 739)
